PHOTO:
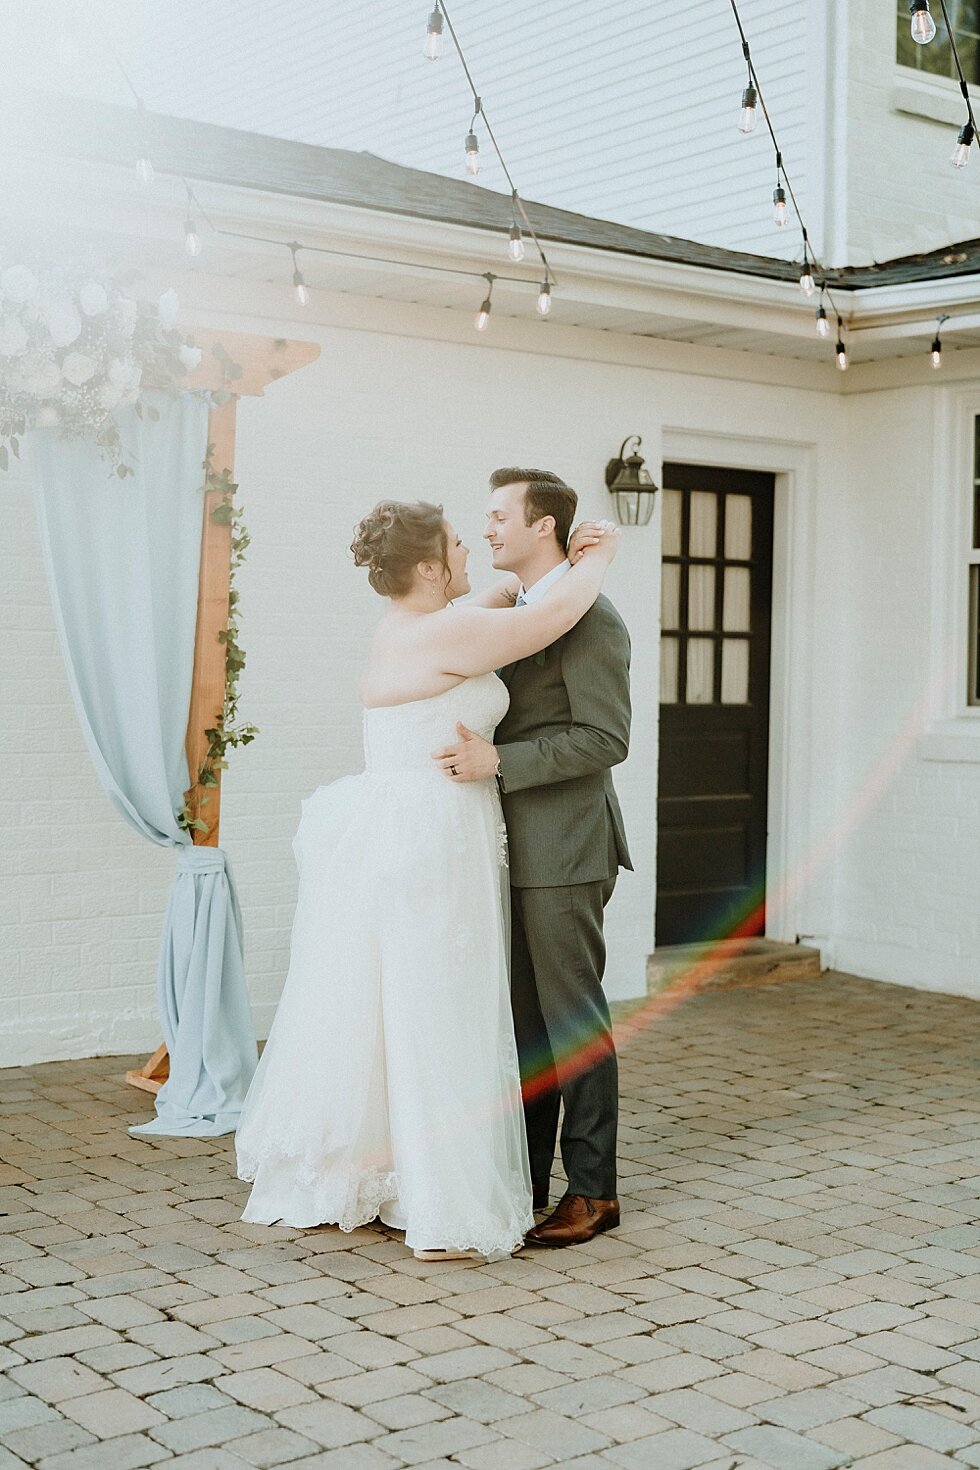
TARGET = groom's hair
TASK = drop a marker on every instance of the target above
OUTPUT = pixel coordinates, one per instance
(546, 495)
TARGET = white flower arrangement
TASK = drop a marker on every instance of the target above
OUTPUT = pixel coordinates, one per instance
(74, 347)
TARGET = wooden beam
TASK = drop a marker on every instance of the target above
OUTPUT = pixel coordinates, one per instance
(246, 364)
(153, 1074)
(208, 687)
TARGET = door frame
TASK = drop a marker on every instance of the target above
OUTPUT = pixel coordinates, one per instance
(791, 656)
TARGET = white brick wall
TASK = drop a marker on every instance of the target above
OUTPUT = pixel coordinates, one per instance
(907, 905)
(408, 415)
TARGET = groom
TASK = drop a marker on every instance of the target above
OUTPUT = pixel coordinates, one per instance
(568, 723)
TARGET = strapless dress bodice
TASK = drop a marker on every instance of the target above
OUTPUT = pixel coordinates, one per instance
(402, 737)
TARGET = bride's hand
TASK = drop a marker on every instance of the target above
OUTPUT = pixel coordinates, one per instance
(586, 534)
(603, 543)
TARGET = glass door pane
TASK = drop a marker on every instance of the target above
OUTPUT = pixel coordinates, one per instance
(701, 598)
(735, 671)
(700, 670)
(738, 527)
(703, 539)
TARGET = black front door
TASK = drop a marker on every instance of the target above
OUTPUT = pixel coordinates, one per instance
(714, 711)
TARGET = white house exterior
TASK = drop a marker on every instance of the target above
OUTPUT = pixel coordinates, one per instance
(873, 789)
(625, 114)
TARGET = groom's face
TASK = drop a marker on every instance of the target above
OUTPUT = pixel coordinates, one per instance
(512, 540)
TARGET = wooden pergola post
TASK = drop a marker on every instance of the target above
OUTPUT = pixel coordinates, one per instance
(245, 365)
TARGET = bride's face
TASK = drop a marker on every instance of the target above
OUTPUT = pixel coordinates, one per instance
(457, 555)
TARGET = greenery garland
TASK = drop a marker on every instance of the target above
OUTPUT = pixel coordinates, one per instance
(227, 732)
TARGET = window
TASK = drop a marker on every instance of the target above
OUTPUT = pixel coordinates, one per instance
(705, 597)
(973, 666)
(937, 56)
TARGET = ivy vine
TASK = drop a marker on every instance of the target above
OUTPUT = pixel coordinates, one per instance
(227, 732)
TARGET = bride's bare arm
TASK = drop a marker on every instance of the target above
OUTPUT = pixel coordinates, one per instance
(476, 640)
(501, 594)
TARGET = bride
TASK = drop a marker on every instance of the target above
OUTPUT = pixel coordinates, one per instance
(389, 1084)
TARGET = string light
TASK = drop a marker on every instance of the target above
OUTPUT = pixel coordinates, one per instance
(750, 96)
(192, 240)
(516, 248)
(937, 346)
(195, 207)
(783, 196)
(144, 167)
(746, 118)
(432, 50)
(960, 155)
(923, 27)
(472, 153)
(299, 285)
(780, 214)
(483, 315)
(968, 132)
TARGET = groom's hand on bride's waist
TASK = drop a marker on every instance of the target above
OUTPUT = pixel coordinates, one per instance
(471, 758)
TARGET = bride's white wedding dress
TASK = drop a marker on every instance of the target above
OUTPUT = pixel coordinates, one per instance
(389, 1084)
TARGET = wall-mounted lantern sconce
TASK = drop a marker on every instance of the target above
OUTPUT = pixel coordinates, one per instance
(629, 480)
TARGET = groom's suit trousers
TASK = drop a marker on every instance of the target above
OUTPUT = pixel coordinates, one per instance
(564, 1037)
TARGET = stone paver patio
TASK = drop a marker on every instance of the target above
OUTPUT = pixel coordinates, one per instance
(796, 1283)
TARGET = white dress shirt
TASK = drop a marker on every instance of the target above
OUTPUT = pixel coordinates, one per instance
(539, 588)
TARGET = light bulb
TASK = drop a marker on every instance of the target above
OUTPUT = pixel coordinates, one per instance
(516, 247)
(299, 288)
(472, 154)
(544, 299)
(823, 325)
(746, 118)
(923, 27)
(937, 353)
(960, 155)
(779, 212)
(483, 316)
(192, 240)
(841, 351)
(144, 168)
(433, 36)
(806, 280)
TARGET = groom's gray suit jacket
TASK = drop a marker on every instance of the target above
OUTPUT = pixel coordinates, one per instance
(568, 723)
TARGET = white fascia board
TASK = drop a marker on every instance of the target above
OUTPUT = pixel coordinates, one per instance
(896, 310)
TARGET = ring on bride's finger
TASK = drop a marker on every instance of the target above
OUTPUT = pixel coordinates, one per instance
(453, 771)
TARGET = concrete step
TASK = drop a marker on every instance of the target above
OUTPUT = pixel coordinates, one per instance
(729, 963)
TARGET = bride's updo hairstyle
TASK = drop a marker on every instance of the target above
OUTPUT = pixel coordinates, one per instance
(393, 538)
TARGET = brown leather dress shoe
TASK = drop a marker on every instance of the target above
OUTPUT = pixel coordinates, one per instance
(575, 1220)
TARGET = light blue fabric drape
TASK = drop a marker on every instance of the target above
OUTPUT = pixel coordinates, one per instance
(122, 560)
